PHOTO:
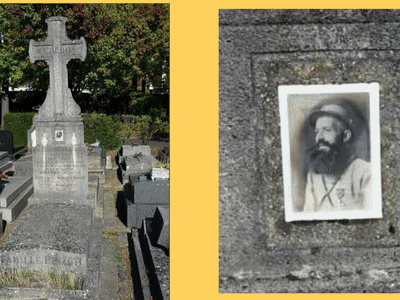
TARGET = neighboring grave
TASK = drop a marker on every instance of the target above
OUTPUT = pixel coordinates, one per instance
(143, 198)
(5, 162)
(7, 144)
(134, 161)
(14, 196)
(159, 227)
(96, 162)
(261, 50)
(61, 227)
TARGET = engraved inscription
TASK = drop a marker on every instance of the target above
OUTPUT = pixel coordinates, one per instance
(52, 50)
(26, 259)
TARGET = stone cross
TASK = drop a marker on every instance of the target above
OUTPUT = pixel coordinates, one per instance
(57, 50)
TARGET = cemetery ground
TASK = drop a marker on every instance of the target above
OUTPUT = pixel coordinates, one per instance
(119, 268)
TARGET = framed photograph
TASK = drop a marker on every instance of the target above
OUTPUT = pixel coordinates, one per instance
(331, 151)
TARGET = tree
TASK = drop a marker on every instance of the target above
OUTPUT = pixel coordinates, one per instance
(128, 47)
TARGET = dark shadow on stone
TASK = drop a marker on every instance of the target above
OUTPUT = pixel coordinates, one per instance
(119, 175)
(135, 272)
(153, 237)
(155, 288)
(121, 208)
(345, 222)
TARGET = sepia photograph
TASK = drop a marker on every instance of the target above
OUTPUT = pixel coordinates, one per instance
(330, 150)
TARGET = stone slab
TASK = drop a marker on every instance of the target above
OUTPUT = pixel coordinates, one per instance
(60, 174)
(136, 213)
(96, 158)
(11, 212)
(92, 278)
(17, 293)
(260, 50)
(23, 168)
(151, 192)
(127, 150)
(140, 278)
(6, 167)
(1, 224)
(13, 187)
(140, 163)
(157, 264)
(160, 226)
(3, 154)
(60, 231)
(4, 158)
(6, 141)
(159, 173)
(138, 177)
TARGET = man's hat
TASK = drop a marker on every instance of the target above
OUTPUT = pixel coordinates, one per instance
(344, 112)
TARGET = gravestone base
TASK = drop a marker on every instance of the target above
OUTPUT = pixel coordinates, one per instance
(49, 237)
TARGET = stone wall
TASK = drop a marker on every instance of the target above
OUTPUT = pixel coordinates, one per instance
(260, 50)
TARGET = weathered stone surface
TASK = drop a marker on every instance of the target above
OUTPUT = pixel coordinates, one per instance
(60, 174)
(128, 150)
(11, 212)
(60, 231)
(96, 162)
(57, 50)
(140, 163)
(136, 213)
(96, 158)
(138, 177)
(12, 188)
(24, 167)
(60, 158)
(157, 264)
(159, 173)
(151, 192)
(299, 47)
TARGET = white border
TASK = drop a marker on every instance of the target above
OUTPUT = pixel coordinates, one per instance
(373, 90)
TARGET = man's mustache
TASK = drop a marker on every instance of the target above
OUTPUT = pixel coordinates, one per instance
(318, 145)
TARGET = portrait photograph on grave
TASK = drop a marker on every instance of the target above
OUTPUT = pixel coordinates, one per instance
(330, 151)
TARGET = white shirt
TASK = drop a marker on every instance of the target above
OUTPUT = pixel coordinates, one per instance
(352, 190)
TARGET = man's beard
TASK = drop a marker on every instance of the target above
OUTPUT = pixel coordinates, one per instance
(331, 161)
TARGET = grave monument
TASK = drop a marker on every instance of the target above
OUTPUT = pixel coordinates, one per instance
(60, 159)
(59, 229)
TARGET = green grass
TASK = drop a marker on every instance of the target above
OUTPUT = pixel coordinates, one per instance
(40, 279)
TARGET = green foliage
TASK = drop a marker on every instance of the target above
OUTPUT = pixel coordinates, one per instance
(128, 48)
(18, 124)
(103, 128)
(97, 126)
(145, 126)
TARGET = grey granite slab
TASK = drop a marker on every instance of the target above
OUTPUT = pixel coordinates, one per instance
(13, 187)
(128, 150)
(259, 51)
(151, 192)
(11, 212)
(49, 237)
